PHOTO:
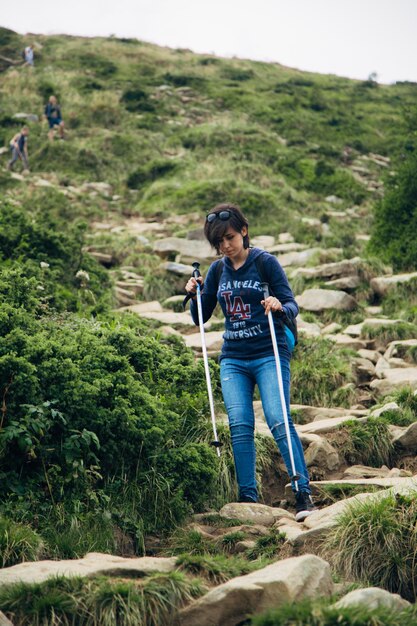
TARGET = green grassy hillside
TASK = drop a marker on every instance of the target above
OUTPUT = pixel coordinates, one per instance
(173, 131)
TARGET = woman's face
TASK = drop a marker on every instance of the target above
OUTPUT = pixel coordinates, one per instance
(231, 244)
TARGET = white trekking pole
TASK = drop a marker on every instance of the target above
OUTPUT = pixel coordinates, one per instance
(295, 477)
(216, 443)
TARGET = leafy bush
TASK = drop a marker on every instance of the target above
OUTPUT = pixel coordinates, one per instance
(393, 237)
(375, 542)
(49, 252)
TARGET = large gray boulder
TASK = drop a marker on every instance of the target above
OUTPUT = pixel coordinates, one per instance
(289, 580)
(322, 299)
(92, 564)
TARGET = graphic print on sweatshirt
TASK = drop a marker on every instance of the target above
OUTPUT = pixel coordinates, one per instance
(238, 307)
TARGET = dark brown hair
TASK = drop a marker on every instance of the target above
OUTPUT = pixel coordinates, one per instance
(215, 231)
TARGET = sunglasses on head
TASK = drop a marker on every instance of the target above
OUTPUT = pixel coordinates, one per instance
(221, 215)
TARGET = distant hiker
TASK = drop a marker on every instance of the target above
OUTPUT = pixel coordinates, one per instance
(29, 56)
(247, 356)
(19, 148)
(54, 117)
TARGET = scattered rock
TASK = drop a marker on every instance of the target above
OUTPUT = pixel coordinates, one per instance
(322, 299)
(186, 248)
(382, 284)
(347, 341)
(372, 598)
(258, 513)
(334, 199)
(4, 621)
(392, 348)
(298, 258)
(370, 355)
(332, 328)
(92, 564)
(265, 242)
(322, 454)
(346, 283)
(406, 437)
(347, 267)
(327, 425)
(362, 471)
(389, 406)
(285, 581)
(28, 117)
(177, 268)
(144, 307)
(214, 341)
(285, 238)
(394, 379)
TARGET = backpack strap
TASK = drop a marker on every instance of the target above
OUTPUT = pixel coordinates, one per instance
(284, 319)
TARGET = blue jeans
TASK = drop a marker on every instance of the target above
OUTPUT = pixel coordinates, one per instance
(238, 379)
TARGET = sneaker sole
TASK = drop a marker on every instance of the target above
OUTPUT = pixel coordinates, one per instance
(302, 515)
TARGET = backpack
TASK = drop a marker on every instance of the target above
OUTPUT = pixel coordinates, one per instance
(260, 266)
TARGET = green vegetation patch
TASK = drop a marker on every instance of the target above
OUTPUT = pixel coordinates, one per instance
(319, 373)
(152, 601)
(375, 542)
(368, 443)
(321, 613)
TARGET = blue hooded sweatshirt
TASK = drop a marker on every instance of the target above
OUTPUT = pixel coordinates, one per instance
(239, 293)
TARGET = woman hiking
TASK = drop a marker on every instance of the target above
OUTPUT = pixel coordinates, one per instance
(247, 356)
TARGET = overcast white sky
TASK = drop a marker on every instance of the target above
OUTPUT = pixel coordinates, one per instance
(346, 37)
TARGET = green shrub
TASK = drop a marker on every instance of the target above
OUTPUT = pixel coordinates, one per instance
(319, 370)
(18, 542)
(375, 541)
(136, 99)
(393, 236)
(150, 172)
(369, 442)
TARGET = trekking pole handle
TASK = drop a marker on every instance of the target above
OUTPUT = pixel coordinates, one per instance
(265, 288)
(196, 272)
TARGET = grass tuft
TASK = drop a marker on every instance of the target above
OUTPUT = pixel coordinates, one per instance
(375, 542)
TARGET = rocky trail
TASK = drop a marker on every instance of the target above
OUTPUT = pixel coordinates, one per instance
(379, 367)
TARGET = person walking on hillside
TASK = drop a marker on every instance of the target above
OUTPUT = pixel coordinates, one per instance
(19, 149)
(29, 56)
(247, 356)
(54, 117)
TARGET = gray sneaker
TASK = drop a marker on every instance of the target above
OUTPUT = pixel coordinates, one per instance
(304, 506)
